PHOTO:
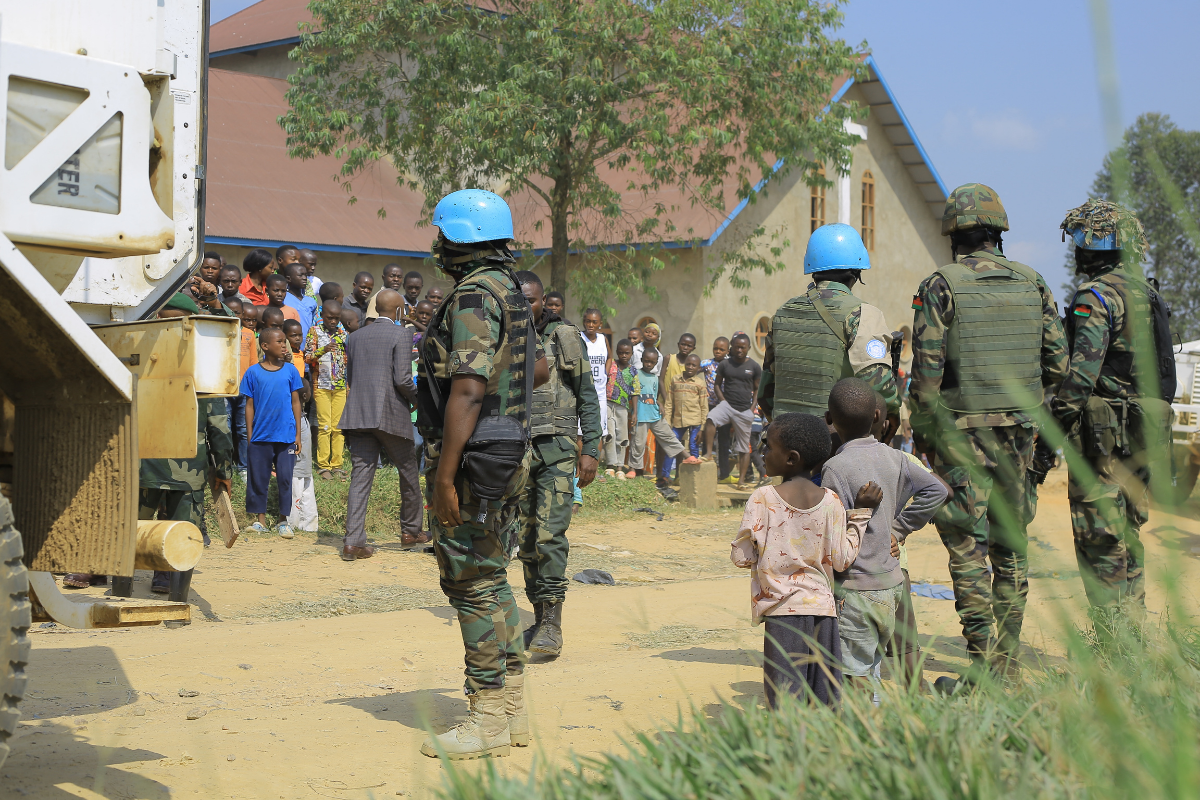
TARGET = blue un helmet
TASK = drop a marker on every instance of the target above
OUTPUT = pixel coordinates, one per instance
(835, 246)
(470, 216)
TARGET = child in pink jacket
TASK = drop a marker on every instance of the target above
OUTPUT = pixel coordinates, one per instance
(792, 538)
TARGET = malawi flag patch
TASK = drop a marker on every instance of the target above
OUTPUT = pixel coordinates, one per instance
(1082, 310)
(918, 303)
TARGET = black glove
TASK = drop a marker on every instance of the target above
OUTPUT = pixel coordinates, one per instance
(1044, 460)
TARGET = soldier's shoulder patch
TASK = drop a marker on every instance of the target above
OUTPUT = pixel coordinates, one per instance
(1082, 310)
(876, 348)
(918, 303)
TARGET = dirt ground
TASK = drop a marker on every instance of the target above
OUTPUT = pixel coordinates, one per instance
(303, 676)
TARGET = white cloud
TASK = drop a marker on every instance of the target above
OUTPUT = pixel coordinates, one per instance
(1007, 130)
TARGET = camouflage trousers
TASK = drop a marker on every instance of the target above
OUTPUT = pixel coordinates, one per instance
(472, 563)
(985, 522)
(1109, 504)
(173, 504)
(545, 517)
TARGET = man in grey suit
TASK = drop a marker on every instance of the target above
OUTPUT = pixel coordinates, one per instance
(378, 417)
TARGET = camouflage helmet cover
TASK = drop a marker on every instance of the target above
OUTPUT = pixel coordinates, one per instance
(973, 205)
(1103, 225)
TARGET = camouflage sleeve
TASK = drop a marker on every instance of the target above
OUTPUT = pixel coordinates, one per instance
(1092, 324)
(883, 381)
(766, 383)
(220, 439)
(587, 406)
(474, 322)
(934, 310)
(1055, 357)
(870, 353)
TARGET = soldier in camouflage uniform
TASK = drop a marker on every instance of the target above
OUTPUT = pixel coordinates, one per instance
(827, 334)
(473, 355)
(987, 344)
(564, 406)
(1111, 386)
(173, 488)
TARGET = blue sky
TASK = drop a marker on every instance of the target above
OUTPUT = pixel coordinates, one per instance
(1007, 94)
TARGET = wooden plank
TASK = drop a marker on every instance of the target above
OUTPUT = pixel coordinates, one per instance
(225, 519)
(83, 611)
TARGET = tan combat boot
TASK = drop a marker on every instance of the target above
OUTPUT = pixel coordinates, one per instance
(514, 707)
(484, 733)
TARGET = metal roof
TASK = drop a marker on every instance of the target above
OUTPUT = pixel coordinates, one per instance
(267, 23)
(257, 194)
(248, 162)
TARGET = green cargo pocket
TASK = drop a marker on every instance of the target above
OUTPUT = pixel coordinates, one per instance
(1098, 429)
(562, 487)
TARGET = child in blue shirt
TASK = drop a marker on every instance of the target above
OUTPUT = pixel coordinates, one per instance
(272, 392)
(649, 416)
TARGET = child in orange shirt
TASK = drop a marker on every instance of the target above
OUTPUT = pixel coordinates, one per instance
(294, 332)
(247, 355)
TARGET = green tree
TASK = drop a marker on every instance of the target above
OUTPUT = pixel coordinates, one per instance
(587, 113)
(1159, 167)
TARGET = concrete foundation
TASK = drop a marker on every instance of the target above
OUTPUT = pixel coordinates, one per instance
(698, 485)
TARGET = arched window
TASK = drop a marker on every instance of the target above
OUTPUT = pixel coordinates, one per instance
(868, 210)
(644, 321)
(817, 208)
(762, 329)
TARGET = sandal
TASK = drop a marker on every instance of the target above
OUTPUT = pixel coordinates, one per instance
(256, 527)
(325, 475)
(284, 530)
(82, 580)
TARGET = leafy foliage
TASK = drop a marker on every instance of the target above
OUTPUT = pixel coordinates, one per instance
(586, 115)
(1120, 720)
(1156, 174)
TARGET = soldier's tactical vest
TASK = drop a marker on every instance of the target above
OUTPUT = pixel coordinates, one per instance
(994, 344)
(505, 392)
(809, 356)
(554, 404)
(1120, 359)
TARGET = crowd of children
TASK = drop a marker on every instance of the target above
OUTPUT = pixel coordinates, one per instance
(693, 409)
(292, 370)
(825, 546)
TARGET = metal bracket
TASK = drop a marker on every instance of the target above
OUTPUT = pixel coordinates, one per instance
(99, 612)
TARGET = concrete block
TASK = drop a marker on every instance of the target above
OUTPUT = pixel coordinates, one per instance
(698, 485)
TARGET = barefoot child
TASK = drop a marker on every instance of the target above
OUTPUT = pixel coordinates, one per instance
(793, 536)
(649, 417)
(685, 407)
(869, 592)
(623, 391)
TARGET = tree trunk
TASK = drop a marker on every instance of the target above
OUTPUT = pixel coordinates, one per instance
(560, 204)
(559, 245)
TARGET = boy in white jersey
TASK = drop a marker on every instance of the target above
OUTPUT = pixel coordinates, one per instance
(598, 355)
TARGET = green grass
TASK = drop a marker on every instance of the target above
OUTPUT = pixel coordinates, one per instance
(611, 498)
(383, 507)
(1122, 720)
(614, 497)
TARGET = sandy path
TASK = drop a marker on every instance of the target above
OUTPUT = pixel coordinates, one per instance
(336, 706)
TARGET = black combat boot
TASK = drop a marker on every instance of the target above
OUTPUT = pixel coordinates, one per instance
(532, 630)
(549, 638)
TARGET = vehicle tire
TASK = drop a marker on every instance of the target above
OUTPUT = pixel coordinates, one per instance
(14, 627)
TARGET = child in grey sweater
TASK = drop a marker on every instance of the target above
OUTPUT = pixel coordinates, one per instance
(869, 591)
